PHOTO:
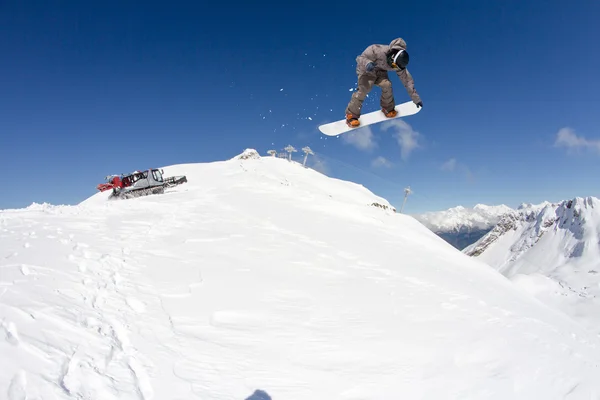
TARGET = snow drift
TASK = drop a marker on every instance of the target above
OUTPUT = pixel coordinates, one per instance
(262, 276)
(552, 250)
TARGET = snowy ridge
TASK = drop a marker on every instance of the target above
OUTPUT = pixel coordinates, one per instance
(460, 218)
(552, 249)
(259, 274)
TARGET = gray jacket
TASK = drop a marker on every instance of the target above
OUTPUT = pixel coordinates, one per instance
(377, 53)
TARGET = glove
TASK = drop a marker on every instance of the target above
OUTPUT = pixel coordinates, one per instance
(419, 104)
(370, 66)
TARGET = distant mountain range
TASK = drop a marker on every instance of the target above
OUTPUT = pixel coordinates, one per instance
(461, 226)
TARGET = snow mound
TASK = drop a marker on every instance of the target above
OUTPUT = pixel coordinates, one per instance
(248, 154)
(266, 278)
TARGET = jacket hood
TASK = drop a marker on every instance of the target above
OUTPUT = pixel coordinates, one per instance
(398, 43)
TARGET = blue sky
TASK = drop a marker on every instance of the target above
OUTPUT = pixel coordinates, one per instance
(91, 90)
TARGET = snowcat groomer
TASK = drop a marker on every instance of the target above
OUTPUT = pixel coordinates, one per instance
(139, 183)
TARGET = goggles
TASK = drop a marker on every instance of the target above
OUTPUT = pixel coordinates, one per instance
(400, 60)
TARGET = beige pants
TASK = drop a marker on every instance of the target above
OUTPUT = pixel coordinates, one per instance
(365, 84)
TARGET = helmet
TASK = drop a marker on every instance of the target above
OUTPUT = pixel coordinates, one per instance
(398, 59)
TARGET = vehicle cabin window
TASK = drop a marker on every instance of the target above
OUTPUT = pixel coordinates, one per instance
(138, 176)
(157, 175)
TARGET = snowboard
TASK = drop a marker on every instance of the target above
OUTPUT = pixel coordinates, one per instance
(338, 127)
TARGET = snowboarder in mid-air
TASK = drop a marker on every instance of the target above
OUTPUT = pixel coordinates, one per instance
(372, 68)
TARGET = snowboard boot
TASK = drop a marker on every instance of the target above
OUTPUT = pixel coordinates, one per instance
(352, 121)
(390, 114)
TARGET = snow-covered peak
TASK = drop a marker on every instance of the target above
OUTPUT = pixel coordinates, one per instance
(461, 218)
(554, 244)
(263, 276)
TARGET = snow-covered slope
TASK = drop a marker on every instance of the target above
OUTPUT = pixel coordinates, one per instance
(553, 250)
(259, 274)
(461, 226)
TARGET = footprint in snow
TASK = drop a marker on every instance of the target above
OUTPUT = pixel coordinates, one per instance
(17, 388)
(11, 334)
(116, 279)
(25, 270)
(80, 246)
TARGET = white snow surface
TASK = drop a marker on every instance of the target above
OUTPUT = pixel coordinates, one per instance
(460, 218)
(553, 251)
(259, 274)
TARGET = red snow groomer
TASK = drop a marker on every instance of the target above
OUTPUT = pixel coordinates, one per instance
(139, 183)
